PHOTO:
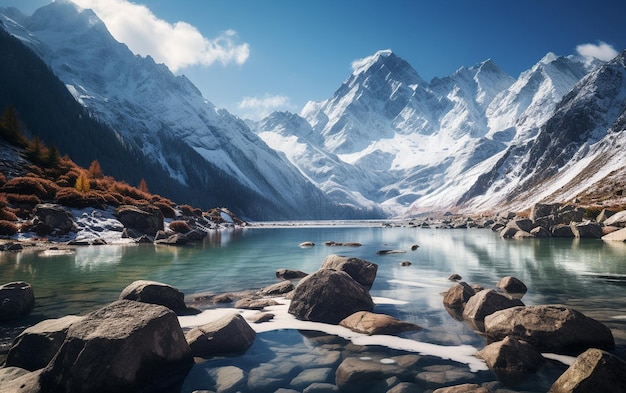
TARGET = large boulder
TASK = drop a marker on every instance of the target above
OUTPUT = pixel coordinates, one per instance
(36, 346)
(587, 230)
(124, 346)
(540, 210)
(617, 219)
(329, 296)
(144, 220)
(511, 360)
(155, 293)
(554, 328)
(229, 334)
(593, 371)
(619, 236)
(458, 295)
(52, 219)
(17, 300)
(370, 323)
(288, 274)
(485, 303)
(360, 270)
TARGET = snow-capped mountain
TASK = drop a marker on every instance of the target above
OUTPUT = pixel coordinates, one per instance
(201, 147)
(414, 147)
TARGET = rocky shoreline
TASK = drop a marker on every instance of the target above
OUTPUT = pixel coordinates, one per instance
(137, 344)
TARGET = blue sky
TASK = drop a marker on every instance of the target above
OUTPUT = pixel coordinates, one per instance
(252, 56)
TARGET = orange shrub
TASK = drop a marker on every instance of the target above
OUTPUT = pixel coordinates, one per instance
(180, 226)
(190, 211)
(3, 179)
(44, 189)
(23, 199)
(7, 228)
(167, 210)
(7, 215)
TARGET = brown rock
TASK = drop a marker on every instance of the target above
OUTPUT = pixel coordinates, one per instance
(485, 303)
(17, 300)
(230, 334)
(593, 371)
(360, 270)
(512, 286)
(370, 323)
(155, 293)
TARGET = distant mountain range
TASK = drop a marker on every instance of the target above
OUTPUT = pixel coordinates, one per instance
(387, 143)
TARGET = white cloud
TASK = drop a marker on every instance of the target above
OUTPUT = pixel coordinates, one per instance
(177, 45)
(602, 51)
(256, 108)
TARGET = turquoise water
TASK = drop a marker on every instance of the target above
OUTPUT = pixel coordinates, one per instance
(587, 274)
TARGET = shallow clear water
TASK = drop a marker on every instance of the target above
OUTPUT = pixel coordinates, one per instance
(587, 274)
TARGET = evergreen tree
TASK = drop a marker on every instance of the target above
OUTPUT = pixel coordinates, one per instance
(95, 171)
(52, 157)
(143, 186)
(82, 183)
(11, 127)
(34, 149)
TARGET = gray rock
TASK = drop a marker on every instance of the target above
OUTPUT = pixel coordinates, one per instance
(155, 293)
(228, 379)
(35, 347)
(562, 230)
(604, 215)
(52, 219)
(121, 347)
(540, 231)
(143, 221)
(17, 300)
(619, 235)
(512, 286)
(321, 388)
(590, 230)
(370, 323)
(485, 303)
(278, 288)
(230, 334)
(405, 387)
(10, 373)
(329, 296)
(288, 274)
(358, 375)
(464, 388)
(255, 304)
(360, 270)
(455, 298)
(554, 328)
(261, 317)
(27, 383)
(511, 360)
(540, 210)
(593, 371)
(310, 376)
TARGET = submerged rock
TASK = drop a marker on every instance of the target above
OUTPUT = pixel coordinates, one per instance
(511, 360)
(229, 334)
(371, 323)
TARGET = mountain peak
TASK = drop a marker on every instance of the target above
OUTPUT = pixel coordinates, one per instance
(364, 64)
(63, 16)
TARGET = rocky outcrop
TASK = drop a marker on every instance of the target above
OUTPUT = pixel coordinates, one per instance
(329, 296)
(593, 371)
(553, 328)
(17, 299)
(370, 323)
(155, 293)
(144, 220)
(360, 270)
(511, 360)
(230, 334)
(52, 219)
(35, 347)
(485, 303)
(125, 346)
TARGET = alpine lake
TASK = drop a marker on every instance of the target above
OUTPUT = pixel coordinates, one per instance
(588, 275)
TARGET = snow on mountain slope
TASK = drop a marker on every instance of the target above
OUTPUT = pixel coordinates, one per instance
(419, 147)
(162, 113)
(578, 149)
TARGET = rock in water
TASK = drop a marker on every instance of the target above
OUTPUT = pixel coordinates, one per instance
(329, 296)
(17, 300)
(550, 328)
(229, 334)
(155, 293)
(593, 371)
(370, 323)
(485, 303)
(122, 347)
(362, 271)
